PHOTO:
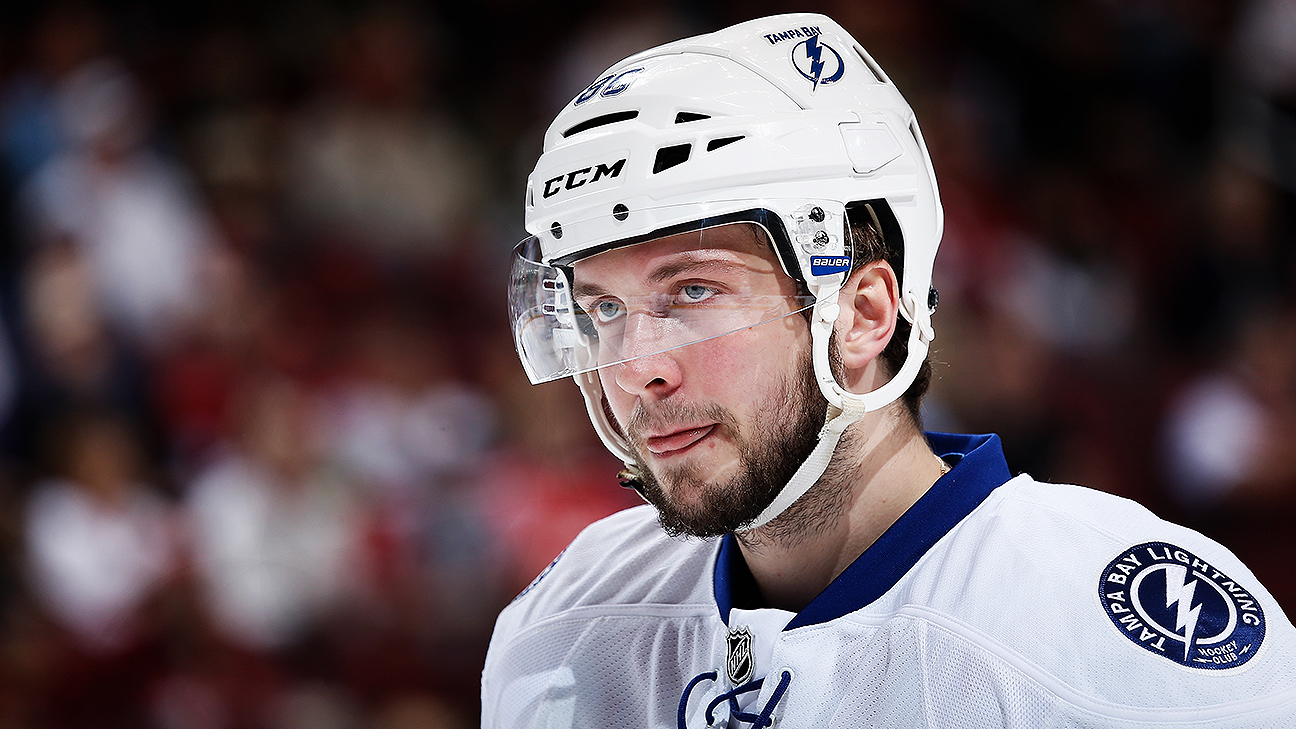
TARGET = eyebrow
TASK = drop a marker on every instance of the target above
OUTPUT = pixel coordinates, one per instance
(685, 263)
(588, 291)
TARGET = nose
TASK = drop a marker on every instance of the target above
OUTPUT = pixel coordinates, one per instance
(650, 368)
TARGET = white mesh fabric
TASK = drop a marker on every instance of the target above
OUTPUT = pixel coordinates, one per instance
(628, 670)
(998, 625)
(610, 636)
(881, 684)
(975, 689)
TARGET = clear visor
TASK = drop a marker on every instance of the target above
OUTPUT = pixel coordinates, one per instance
(645, 298)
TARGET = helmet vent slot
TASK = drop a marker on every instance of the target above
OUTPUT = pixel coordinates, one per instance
(715, 144)
(872, 66)
(685, 117)
(599, 121)
(668, 157)
(917, 135)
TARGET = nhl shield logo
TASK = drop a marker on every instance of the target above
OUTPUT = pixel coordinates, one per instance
(739, 664)
(1169, 601)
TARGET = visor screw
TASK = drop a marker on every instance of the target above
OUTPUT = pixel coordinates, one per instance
(556, 229)
(820, 238)
(817, 214)
(620, 212)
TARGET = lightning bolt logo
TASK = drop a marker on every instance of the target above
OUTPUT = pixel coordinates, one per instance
(1180, 590)
(815, 52)
(1157, 593)
(818, 62)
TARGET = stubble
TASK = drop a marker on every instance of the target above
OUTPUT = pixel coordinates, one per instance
(782, 432)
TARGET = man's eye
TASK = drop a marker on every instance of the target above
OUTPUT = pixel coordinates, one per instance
(608, 310)
(696, 293)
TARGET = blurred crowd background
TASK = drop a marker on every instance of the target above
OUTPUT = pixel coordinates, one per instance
(267, 458)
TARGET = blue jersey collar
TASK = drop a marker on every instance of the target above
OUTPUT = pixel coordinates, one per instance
(978, 468)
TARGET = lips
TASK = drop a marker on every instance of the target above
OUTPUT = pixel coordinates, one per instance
(671, 443)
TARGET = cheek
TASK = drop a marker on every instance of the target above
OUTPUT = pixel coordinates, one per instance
(726, 370)
(730, 369)
(618, 400)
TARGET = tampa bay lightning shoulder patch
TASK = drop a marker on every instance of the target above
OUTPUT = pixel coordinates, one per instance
(1172, 603)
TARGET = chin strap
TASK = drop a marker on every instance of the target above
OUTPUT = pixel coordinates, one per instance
(812, 468)
(844, 408)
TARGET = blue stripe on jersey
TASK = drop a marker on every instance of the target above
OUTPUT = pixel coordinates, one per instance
(980, 468)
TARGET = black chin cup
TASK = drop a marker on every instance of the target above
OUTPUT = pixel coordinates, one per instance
(630, 478)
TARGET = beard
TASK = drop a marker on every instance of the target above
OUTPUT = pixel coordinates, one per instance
(784, 430)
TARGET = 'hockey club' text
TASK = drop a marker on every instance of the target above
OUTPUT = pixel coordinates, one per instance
(1175, 604)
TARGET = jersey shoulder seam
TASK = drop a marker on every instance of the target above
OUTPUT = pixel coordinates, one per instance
(1081, 701)
(1022, 493)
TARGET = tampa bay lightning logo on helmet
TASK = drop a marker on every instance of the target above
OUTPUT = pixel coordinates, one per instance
(1175, 604)
(818, 62)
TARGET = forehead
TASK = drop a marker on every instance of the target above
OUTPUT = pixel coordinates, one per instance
(738, 249)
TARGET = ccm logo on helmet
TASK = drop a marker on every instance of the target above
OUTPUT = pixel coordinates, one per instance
(577, 178)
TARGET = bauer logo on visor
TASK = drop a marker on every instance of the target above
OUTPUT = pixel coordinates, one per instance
(828, 265)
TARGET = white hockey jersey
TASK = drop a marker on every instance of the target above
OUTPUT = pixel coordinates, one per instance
(993, 602)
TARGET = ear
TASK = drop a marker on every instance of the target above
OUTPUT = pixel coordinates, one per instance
(870, 303)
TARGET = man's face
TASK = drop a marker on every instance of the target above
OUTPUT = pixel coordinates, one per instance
(719, 425)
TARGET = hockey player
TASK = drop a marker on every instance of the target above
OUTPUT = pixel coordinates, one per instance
(733, 238)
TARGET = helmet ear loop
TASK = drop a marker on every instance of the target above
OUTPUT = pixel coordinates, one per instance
(921, 335)
(844, 408)
(822, 321)
(841, 400)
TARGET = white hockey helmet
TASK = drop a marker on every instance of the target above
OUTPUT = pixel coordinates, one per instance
(783, 122)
